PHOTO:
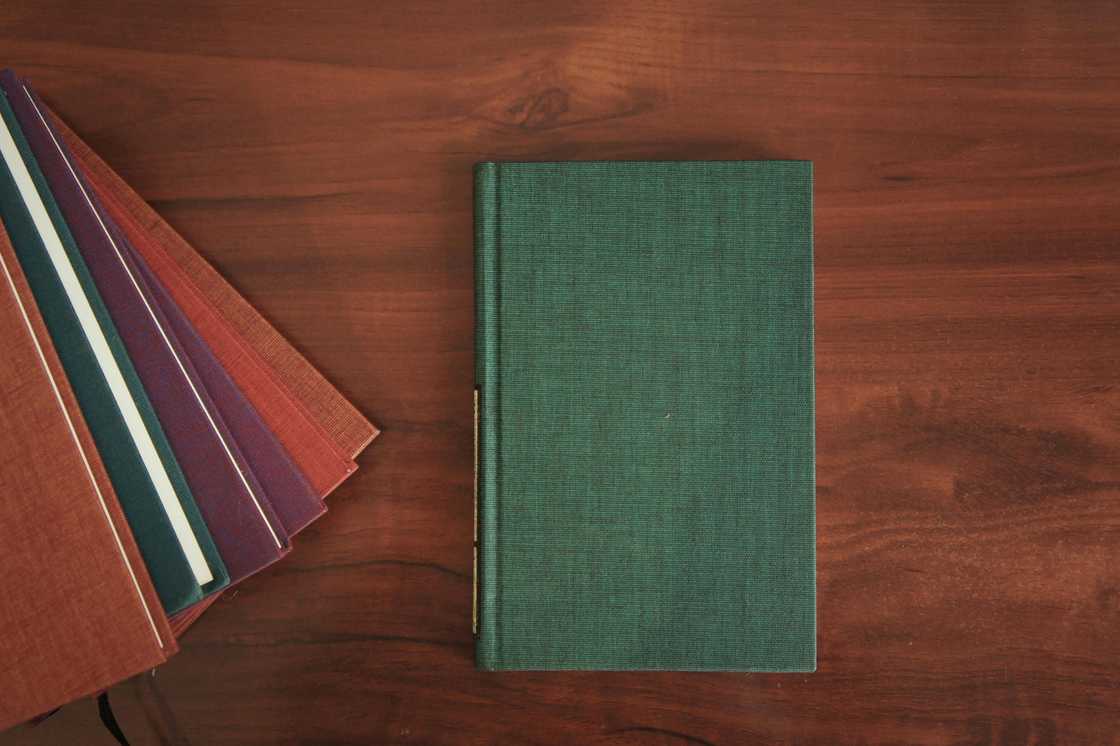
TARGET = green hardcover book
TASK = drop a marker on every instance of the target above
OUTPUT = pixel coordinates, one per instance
(169, 530)
(644, 362)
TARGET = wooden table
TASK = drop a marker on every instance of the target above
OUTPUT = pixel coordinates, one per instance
(968, 322)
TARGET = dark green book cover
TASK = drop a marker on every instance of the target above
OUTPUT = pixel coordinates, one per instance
(644, 361)
(169, 568)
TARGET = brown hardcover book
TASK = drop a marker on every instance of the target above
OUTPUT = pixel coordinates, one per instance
(79, 612)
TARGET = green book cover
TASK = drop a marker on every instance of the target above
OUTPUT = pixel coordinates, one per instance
(646, 465)
(175, 576)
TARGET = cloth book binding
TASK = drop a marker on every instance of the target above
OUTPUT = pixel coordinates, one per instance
(321, 430)
(172, 536)
(199, 441)
(644, 353)
(290, 494)
(236, 510)
(79, 611)
(290, 405)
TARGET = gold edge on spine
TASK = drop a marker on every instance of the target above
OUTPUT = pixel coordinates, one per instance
(474, 573)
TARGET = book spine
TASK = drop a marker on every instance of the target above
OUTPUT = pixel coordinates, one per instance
(486, 428)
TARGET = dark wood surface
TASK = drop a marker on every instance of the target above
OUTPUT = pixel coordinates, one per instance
(967, 157)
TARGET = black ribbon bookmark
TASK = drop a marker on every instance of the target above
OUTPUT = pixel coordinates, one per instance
(108, 719)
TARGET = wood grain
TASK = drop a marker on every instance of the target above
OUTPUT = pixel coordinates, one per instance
(968, 322)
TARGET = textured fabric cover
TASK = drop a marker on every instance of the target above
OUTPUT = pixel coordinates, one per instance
(79, 612)
(245, 530)
(645, 361)
(292, 497)
(297, 431)
(258, 357)
(163, 554)
(321, 460)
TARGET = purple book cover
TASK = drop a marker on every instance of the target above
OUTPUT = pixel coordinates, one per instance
(246, 530)
(291, 494)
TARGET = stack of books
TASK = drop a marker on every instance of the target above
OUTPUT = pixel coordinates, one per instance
(160, 441)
